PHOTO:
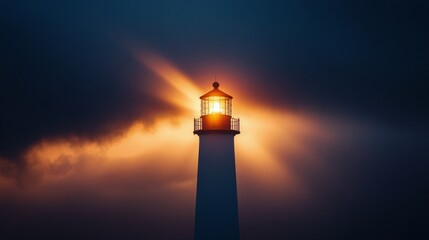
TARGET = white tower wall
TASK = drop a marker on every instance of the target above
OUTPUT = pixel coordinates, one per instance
(216, 213)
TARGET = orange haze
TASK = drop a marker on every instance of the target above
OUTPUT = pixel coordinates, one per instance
(158, 163)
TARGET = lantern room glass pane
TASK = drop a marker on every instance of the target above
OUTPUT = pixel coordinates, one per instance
(216, 105)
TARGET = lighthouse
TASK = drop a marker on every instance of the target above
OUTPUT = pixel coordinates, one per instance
(216, 212)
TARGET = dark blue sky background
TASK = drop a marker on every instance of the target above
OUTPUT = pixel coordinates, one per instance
(62, 63)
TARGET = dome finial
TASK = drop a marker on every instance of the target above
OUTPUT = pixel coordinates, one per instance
(216, 85)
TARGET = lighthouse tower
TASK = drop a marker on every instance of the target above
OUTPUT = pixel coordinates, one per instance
(216, 212)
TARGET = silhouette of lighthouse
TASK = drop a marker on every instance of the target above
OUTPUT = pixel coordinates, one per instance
(216, 212)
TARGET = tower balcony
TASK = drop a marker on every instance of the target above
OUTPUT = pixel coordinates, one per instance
(216, 122)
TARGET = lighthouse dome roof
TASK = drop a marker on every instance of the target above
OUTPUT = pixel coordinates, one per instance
(215, 92)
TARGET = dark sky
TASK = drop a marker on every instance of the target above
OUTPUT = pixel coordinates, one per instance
(68, 73)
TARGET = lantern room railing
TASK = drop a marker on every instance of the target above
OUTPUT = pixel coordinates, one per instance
(234, 125)
(198, 124)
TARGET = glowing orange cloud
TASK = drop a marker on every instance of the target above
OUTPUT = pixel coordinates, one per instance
(165, 156)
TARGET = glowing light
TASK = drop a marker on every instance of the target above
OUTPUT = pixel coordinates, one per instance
(216, 105)
(215, 108)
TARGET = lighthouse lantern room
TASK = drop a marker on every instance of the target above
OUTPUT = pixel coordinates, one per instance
(216, 110)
